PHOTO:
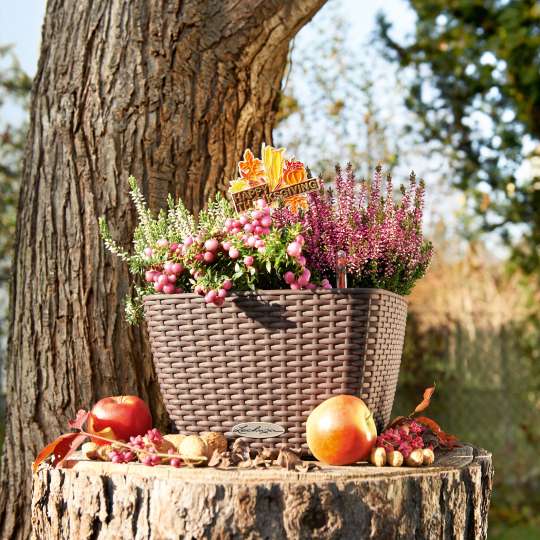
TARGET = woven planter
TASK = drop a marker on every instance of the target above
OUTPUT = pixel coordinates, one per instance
(273, 356)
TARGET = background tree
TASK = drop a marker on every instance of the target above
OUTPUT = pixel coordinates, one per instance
(475, 86)
(330, 110)
(168, 91)
(14, 90)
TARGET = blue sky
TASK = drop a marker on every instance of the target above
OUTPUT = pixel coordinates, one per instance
(21, 20)
(20, 25)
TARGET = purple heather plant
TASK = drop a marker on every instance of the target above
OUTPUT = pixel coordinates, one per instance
(382, 239)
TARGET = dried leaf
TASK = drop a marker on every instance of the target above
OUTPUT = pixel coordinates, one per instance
(269, 453)
(397, 421)
(424, 404)
(259, 461)
(61, 448)
(222, 461)
(246, 464)
(240, 446)
(80, 420)
(445, 440)
(288, 459)
(307, 466)
(215, 459)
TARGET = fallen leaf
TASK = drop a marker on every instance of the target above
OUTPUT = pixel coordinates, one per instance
(307, 466)
(80, 420)
(76, 443)
(445, 439)
(288, 459)
(60, 449)
(215, 459)
(246, 464)
(269, 453)
(424, 404)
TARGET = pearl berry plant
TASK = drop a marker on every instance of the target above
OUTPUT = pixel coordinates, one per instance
(212, 255)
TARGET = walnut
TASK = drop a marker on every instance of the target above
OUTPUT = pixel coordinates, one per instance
(103, 452)
(214, 442)
(90, 450)
(175, 439)
(193, 450)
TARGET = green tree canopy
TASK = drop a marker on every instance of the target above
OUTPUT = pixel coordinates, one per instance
(14, 88)
(474, 82)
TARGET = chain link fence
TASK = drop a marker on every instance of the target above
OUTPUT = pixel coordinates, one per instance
(488, 394)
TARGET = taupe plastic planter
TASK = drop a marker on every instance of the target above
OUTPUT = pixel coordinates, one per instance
(272, 356)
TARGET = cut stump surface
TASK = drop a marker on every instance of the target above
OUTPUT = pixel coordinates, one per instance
(95, 500)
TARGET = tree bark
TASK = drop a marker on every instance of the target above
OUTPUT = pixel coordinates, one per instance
(170, 91)
(102, 501)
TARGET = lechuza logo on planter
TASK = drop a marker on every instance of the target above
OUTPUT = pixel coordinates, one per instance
(258, 430)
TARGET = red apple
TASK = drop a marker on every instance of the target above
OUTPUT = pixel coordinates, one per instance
(119, 418)
(341, 431)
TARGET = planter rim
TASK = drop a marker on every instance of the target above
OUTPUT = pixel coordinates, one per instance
(276, 292)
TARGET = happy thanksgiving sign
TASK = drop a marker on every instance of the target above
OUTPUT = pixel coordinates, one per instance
(272, 178)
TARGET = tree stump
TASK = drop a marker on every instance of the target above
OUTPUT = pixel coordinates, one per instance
(94, 500)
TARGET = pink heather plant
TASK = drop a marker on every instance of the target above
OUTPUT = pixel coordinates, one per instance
(382, 240)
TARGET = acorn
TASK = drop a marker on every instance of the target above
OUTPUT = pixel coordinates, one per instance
(394, 458)
(416, 458)
(429, 456)
(378, 456)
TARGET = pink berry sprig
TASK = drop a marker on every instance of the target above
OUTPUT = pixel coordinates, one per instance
(233, 255)
(405, 438)
(122, 456)
(146, 449)
(247, 232)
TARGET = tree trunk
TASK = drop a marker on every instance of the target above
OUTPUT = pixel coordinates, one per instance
(171, 91)
(102, 501)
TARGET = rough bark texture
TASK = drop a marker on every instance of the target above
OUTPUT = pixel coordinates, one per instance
(105, 501)
(170, 91)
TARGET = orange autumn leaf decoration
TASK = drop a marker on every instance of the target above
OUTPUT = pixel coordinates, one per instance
(240, 184)
(293, 173)
(296, 203)
(273, 165)
(424, 404)
(251, 169)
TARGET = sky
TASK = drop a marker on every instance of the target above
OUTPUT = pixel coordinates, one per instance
(20, 25)
(20, 22)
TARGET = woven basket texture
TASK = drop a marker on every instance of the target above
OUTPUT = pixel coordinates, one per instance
(273, 356)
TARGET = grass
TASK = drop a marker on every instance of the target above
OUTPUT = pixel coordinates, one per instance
(517, 532)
